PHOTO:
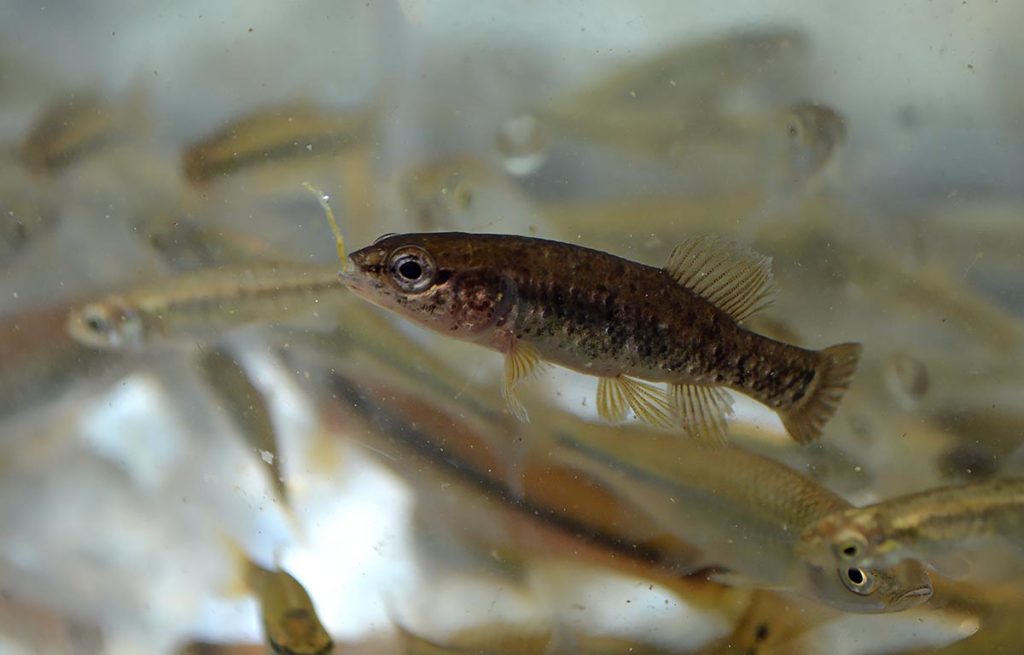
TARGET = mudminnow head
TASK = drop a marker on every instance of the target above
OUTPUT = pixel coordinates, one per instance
(450, 282)
(108, 324)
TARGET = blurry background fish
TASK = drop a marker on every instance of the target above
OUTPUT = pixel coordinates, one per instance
(876, 158)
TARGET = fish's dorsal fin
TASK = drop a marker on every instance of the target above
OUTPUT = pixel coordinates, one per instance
(730, 276)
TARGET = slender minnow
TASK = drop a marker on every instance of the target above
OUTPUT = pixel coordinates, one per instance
(295, 133)
(233, 390)
(627, 323)
(930, 525)
(745, 512)
(75, 126)
(203, 304)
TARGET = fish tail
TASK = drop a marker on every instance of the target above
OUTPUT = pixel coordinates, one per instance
(806, 418)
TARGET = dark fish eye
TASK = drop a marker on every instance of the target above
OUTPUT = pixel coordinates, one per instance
(412, 269)
(858, 580)
(97, 324)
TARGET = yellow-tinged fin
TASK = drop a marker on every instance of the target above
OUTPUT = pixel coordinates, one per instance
(521, 361)
(240, 570)
(806, 419)
(648, 402)
(702, 411)
(325, 203)
(730, 276)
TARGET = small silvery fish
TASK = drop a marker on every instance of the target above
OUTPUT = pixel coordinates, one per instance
(202, 304)
(290, 621)
(629, 324)
(745, 513)
(293, 133)
(940, 526)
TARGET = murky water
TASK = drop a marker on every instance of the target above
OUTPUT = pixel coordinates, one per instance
(209, 412)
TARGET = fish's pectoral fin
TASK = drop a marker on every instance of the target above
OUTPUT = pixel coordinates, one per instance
(702, 411)
(730, 276)
(648, 401)
(806, 419)
(521, 362)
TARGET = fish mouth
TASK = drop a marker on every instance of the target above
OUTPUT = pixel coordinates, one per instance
(915, 596)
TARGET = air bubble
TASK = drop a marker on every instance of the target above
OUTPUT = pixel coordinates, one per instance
(521, 145)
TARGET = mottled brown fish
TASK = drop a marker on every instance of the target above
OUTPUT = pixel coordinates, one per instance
(626, 323)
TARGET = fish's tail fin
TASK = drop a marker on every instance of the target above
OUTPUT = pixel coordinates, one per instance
(806, 419)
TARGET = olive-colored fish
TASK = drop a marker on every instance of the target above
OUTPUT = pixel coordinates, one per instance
(75, 126)
(234, 391)
(496, 639)
(745, 512)
(289, 618)
(203, 304)
(536, 300)
(816, 132)
(940, 526)
(298, 132)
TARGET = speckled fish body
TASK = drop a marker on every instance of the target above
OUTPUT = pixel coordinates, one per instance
(590, 311)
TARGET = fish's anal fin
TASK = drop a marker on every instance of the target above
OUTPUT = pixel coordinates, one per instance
(702, 411)
(648, 402)
(521, 362)
(730, 276)
(806, 419)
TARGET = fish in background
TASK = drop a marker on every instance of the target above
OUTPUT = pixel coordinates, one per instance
(27, 215)
(973, 530)
(78, 125)
(204, 304)
(745, 513)
(283, 135)
(234, 392)
(290, 622)
(626, 323)
(816, 132)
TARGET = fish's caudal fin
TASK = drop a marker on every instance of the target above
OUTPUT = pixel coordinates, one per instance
(806, 419)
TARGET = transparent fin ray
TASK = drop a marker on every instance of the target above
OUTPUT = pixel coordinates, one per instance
(730, 276)
(647, 401)
(702, 411)
(521, 362)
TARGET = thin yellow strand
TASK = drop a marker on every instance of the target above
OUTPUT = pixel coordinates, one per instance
(339, 241)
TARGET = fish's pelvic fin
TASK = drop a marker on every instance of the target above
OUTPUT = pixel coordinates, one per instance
(521, 362)
(702, 411)
(730, 276)
(807, 418)
(648, 402)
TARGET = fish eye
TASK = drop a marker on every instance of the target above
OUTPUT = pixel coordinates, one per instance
(412, 269)
(858, 580)
(96, 322)
(850, 547)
